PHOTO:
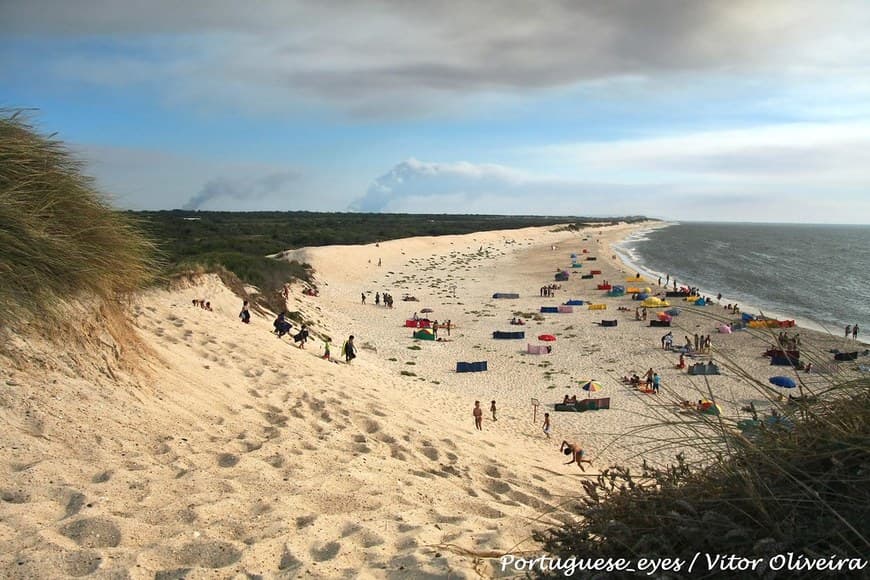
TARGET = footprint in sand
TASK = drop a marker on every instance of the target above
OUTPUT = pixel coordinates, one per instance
(14, 496)
(288, 561)
(227, 460)
(325, 552)
(207, 554)
(93, 533)
(80, 563)
(430, 452)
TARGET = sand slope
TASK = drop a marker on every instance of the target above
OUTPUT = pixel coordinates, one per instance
(233, 453)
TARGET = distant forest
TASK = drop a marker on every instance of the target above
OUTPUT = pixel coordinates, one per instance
(240, 241)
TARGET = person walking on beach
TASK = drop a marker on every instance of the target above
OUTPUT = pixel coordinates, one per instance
(855, 332)
(478, 416)
(576, 453)
(379, 262)
(435, 329)
(349, 350)
(326, 355)
(546, 426)
(448, 328)
(492, 410)
(245, 314)
(656, 383)
(848, 330)
(697, 342)
(377, 298)
(667, 279)
(363, 294)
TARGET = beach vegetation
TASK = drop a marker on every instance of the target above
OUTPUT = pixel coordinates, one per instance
(60, 239)
(796, 481)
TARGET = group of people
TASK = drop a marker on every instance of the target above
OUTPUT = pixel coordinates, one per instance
(700, 343)
(640, 313)
(548, 291)
(853, 330)
(204, 304)
(387, 299)
(733, 308)
(788, 342)
(477, 413)
(651, 379)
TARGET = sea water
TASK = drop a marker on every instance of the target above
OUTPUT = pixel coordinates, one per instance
(818, 275)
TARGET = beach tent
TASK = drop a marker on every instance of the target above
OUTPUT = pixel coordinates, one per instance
(637, 280)
(653, 302)
(664, 316)
(426, 310)
(471, 367)
(700, 302)
(595, 272)
(576, 265)
(574, 302)
(549, 309)
(511, 295)
(673, 311)
(617, 291)
(501, 335)
(587, 276)
(565, 309)
(605, 287)
(710, 408)
(424, 334)
(608, 323)
(659, 322)
(573, 256)
(747, 317)
(641, 296)
(538, 349)
(784, 382)
(562, 276)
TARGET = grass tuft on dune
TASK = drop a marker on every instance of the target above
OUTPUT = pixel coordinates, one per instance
(59, 238)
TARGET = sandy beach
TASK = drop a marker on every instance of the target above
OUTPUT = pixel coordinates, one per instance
(228, 451)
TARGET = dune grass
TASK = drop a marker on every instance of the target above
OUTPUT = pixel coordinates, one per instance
(59, 238)
(798, 482)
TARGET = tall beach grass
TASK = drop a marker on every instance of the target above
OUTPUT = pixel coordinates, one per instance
(59, 238)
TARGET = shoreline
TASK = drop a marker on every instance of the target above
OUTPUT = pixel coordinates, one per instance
(618, 248)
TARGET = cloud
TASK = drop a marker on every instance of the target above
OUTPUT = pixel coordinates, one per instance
(405, 57)
(238, 190)
(146, 179)
(415, 186)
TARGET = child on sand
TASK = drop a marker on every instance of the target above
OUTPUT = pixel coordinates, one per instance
(576, 453)
(546, 426)
(245, 314)
(478, 416)
(492, 410)
(326, 354)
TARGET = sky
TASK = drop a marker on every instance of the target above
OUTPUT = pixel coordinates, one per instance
(676, 109)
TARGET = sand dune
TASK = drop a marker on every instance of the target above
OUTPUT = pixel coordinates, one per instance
(232, 452)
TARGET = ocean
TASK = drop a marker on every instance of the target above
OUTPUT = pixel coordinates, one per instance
(818, 275)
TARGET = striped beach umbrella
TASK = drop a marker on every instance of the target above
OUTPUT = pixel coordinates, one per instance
(590, 387)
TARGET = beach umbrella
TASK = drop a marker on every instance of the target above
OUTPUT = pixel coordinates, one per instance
(547, 337)
(591, 387)
(784, 382)
(427, 310)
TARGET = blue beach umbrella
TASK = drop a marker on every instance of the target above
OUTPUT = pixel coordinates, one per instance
(784, 382)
